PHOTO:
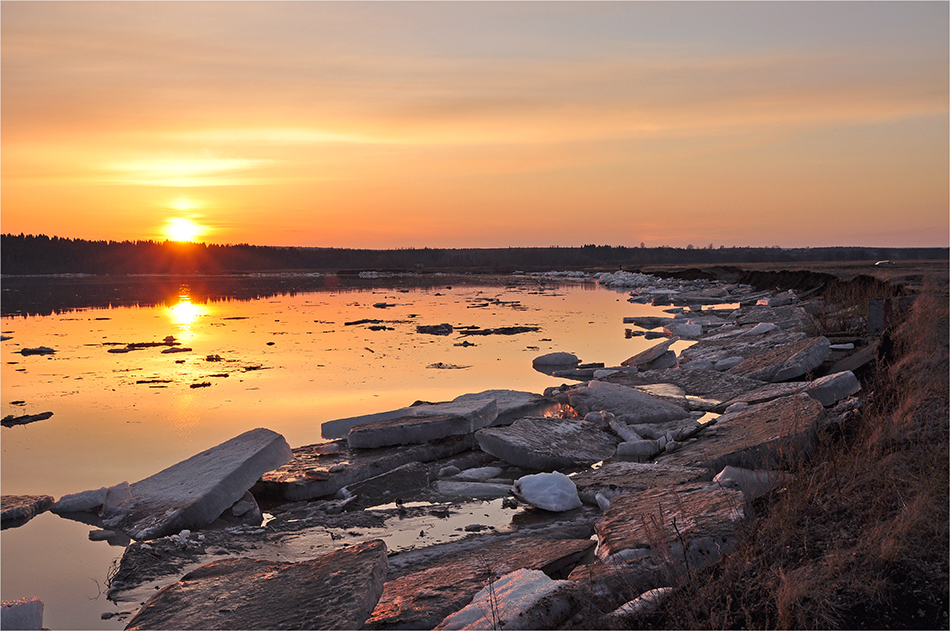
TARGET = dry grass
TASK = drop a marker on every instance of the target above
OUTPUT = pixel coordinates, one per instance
(860, 538)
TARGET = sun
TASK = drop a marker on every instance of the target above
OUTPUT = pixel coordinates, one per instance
(182, 229)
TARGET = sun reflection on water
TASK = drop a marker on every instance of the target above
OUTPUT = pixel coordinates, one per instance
(185, 312)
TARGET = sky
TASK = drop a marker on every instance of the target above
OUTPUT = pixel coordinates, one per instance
(478, 124)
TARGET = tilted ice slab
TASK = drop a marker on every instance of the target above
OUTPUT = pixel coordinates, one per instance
(508, 403)
(523, 599)
(194, 492)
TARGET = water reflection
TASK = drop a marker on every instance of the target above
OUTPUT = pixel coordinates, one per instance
(186, 312)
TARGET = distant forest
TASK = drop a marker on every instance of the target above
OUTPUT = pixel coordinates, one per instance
(39, 254)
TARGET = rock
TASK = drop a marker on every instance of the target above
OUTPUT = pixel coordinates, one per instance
(692, 522)
(422, 599)
(643, 605)
(481, 490)
(702, 383)
(19, 509)
(39, 350)
(435, 329)
(309, 474)
(83, 502)
(830, 389)
(523, 599)
(194, 492)
(651, 354)
(334, 591)
(683, 330)
(759, 437)
(786, 362)
(556, 359)
(620, 478)
(627, 404)
(754, 484)
(25, 613)
(637, 451)
(545, 444)
(553, 492)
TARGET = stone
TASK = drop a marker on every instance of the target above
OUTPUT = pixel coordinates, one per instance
(830, 389)
(465, 489)
(620, 478)
(334, 591)
(637, 451)
(764, 436)
(651, 354)
(523, 599)
(25, 613)
(194, 492)
(545, 444)
(692, 521)
(754, 484)
(308, 475)
(553, 492)
(422, 599)
(627, 404)
(556, 359)
(786, 362)
(19, 509)
(703, 383)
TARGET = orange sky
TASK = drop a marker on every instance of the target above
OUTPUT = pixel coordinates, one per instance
(478, 124)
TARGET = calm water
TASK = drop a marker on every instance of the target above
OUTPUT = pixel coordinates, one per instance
(288, 362)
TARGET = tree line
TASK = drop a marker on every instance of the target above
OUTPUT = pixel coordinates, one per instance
(40, 254)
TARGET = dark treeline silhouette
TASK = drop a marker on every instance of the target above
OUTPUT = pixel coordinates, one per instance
(40, 254)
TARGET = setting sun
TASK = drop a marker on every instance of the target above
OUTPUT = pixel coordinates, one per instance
(181, 229)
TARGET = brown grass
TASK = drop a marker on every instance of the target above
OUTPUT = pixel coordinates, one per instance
(860, 538)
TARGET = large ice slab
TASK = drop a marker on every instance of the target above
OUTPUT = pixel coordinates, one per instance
(545, 444)
(786, 362)
(25, 613)
(628, 404)
(523, 599)
(194, 492)
(408, 430)
(422, 599)
(694, 521)
(334, 591)
(698, 382)
(620, 478)
(481, 412)
(321, 470)
(764, 436)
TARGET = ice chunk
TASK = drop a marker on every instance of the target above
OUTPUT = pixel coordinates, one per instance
(549, 491)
